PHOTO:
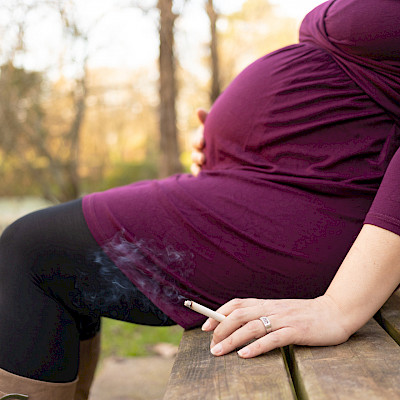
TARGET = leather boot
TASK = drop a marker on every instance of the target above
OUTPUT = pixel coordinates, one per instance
(14, 387)
(88, 358)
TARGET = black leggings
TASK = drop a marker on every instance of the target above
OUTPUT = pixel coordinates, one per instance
(55, 284)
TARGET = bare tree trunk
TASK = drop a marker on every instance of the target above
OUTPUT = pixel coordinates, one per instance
(169, 156)
(71, 188)
(215, 79)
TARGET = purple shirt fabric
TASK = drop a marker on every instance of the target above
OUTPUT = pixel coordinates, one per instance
(296, 148)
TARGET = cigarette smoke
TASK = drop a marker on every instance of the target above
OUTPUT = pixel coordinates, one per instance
(141, 260)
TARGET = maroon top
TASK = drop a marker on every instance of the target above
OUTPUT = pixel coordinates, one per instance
(296, 150)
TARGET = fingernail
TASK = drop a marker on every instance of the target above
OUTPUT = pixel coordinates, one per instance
(244, 352)
(217, 349)
(206, 326)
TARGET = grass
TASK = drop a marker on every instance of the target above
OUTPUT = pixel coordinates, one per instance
(123, 339)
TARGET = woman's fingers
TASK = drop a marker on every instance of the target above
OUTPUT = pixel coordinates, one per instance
(195, 169)
(242, 326)
(198, 139)
(280, 338)
(248, 318)
(202, 115)
(238, 337)
(228, 308)
(198, 144)
(236, 304)
(197, 157)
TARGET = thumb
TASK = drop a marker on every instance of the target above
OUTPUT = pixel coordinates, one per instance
(202, 115)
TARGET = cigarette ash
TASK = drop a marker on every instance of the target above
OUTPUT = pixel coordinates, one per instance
(142, 261)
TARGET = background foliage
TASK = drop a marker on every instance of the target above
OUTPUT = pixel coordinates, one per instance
(69, 126)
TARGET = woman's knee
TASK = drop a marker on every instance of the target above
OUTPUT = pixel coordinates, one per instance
(19, 231)
(11, 232)
(18, 243)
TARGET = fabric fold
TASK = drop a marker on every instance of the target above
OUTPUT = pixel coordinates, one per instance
(371, 56)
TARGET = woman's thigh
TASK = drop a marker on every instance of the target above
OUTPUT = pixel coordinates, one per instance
(55, 285)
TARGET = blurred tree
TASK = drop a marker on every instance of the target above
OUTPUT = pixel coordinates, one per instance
(41, 121)
(21, 120)
(73, 123)
(44, 152)
(169, 156)
(215, 78)
(250, 33)
(120, 128)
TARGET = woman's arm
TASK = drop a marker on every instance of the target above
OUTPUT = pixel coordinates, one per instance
(367, 277)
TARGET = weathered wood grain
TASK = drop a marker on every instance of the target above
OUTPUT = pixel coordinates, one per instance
(365, 367)
(197, 374)
(390, 316)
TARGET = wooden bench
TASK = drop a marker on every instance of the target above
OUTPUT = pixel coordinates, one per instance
(366, 367)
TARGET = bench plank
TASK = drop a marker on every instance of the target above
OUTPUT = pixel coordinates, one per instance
(365, 367)
(197, 374)
(390, 316)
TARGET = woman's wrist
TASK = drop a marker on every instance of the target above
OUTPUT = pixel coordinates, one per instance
(343, 317)
(367, 277)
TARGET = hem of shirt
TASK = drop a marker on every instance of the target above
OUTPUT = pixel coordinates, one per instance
(383, 221)
(91, 220)
(184, 317)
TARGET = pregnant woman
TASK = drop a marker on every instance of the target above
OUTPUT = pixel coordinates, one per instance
(295, 215)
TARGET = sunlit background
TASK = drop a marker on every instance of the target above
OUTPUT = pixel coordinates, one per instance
(79, 86)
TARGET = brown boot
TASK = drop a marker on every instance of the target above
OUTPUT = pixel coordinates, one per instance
(15, 387)
(88, 358)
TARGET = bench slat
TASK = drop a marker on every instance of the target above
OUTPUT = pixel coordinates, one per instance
(197, 374)
(390, 316)
(365, 367)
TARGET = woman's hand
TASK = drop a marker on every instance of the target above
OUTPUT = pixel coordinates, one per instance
(198, 158)
(366, 278)
(314, 322)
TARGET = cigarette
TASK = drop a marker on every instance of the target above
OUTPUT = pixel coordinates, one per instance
(204, 310)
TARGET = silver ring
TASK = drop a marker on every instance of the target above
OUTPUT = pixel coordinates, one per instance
(267, 323)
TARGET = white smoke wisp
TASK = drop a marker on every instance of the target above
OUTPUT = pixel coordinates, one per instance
(141, 260)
